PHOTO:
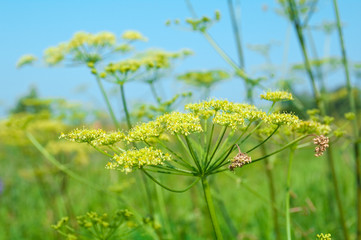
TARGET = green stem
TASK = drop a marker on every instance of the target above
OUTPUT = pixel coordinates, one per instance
(288, 189)
(154, 92)
(299, 29)
(265, 140)
(124, 101)
(190, 150)
(57, 164)
(281, 149)
(319, 101)
(167, 188)
(163, 212)
(220, 138)
(181, 160)
(105, 96)
(209, 145)
(337, 192)
(236, 33)
(356, 132)
(211, 209)
(272, 192)
(220, 51)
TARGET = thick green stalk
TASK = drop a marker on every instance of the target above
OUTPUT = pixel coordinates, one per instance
(220, 51)
(319, 101)
(356, 132)
(272, 192)
(125, 108)
(337, 192)
(163, 212)
(154, 92)
(211, 209)
(288, 189)
(236, 33)
(299, 29)
(109, 106)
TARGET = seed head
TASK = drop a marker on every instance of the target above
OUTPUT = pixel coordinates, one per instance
(322, 144)
(239, 160)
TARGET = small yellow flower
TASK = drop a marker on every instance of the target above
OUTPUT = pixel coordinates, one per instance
(145, 131)
(108, 139)
(25, 60)
(83, 135)
(133, 35)
(181, 123)
(233, 120)
(281, 119)
(277, 96)
(128, 160)
(311, 127)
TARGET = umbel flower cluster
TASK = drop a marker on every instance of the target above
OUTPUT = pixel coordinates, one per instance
(100, 226)
(200, 141)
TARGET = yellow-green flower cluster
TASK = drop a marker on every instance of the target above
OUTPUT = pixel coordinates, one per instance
(277, 96)
(181, 123)
(101, 39)
(162, 59)
(83, 135)
(202, 24)
(205, 78)
(322, 236)
(311, 127)
(94, 224)
(54, 55)
(124, 67)
(82, 47)
(219, 105)
(254, 115)
(281, 119)
(25, 60)
(109, 139)
(131, 159)
(132, 35)
(96, 137)
(145, 131)
(350, 116)
(233, 120)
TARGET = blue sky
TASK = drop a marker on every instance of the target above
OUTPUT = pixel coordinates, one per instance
(31, 26)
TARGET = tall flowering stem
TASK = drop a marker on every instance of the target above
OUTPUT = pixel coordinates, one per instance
(288, 190)
(351, 99)
(109, 106)
(293, 12)
(211, 209)
(125, 107)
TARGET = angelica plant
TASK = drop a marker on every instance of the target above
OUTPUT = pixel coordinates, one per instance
(181, 143)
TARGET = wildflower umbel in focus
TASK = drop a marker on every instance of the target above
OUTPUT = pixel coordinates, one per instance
(198, 124)
(322, 143)
(239, 160)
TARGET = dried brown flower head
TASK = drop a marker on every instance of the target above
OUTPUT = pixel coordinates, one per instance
(322, 143)
(239, 160)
